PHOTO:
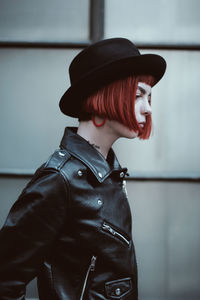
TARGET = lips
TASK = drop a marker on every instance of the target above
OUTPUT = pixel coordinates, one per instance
(142, 124)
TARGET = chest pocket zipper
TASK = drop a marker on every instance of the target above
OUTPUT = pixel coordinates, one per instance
(90, 269)
(115, 233)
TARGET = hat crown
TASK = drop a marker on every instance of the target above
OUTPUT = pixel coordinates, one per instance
(103, 63)
(101, 54)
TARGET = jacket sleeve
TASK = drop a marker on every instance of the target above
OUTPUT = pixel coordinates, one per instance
(31, 227)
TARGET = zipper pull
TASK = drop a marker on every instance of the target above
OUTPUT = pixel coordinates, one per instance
(112, 231)
(105, 226)
(108, 228)
(93, 263)
(115, 233)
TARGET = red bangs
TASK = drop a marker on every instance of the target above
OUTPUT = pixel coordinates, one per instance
(116, 101)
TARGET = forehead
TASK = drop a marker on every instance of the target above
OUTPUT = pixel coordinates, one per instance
(146, 88)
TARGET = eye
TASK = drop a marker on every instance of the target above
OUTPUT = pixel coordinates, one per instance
(138, 95)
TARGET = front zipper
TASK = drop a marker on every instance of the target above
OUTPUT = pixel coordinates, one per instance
(115, 233)
(91, 268)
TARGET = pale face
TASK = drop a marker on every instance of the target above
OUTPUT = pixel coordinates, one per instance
(143, 103)
(142, 110)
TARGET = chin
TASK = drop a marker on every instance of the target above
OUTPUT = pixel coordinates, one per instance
(130, 134)
(121, 130)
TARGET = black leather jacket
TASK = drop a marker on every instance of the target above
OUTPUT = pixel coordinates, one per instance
(71, 227)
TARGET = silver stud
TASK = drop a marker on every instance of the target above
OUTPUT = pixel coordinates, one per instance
(100, 202)
(100, 175)
(118, 292)
(61, 153)
(121, 174)
(80, 173)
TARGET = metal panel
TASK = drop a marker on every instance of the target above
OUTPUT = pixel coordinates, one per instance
(149, 211)
(96, 20)
(32, 83)
(184, 240)
(154, 22)
(44, 20)
(166, 232)
(175, 145)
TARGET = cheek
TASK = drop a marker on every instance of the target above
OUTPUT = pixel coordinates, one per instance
(137, 110)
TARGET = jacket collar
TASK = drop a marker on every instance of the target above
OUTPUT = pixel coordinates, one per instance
(85, 152)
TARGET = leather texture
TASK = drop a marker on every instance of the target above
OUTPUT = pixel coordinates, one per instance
(71, 228)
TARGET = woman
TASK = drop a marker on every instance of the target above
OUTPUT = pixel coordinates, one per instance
(71, 226)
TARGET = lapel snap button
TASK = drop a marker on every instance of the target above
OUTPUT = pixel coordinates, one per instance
(100, 202)
(61, 153)
(80, 173)
(121, 174)
(100, 175)
(118, 292)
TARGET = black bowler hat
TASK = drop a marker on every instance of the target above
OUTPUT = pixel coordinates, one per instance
(102, 63)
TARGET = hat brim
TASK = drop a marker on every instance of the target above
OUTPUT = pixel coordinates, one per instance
(147, 64)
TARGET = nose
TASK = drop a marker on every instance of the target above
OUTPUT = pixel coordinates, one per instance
(147, 110)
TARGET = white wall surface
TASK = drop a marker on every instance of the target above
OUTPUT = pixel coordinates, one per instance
(154, 21)
(175, 144)
(166, 233)
(44, 20)
(32, 82)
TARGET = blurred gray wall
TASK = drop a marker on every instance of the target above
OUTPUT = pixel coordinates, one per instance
(38, 39)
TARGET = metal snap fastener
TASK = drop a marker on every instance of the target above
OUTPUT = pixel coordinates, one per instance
(118, 292)
(100, 202)
(61, 153)
(121, 174)
(100, 175)
(80, 173)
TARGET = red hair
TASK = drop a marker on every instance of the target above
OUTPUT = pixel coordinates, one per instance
(116, 101)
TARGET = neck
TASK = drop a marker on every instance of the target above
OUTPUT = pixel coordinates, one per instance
(99, 137)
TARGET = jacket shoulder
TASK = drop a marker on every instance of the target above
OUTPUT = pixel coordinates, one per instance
(57, 160)
(50, 168)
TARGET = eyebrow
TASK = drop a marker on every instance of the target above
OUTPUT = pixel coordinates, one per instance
(143, 90)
